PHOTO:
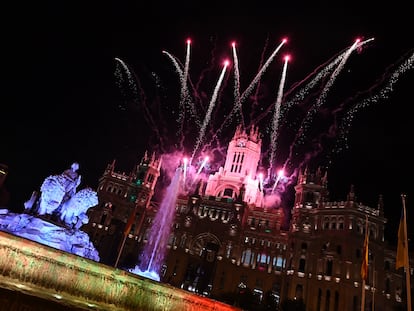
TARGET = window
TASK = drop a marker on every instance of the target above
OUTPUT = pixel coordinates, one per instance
(336, 303)
(355, 304)
(304, 246)
(326, 223)
(228, 192)
(309, 198)
(333, 223)
(327, 300)
(222, 280)
(318, 304)
(246, 257)
(299, 291)
(329, 266)
(340, 223)
(103, 219)
(228, 250)
(278, 263)
(387, 286)
(183, 240)
(302, 263)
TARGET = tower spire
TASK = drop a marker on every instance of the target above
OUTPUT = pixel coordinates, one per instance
(351, 194)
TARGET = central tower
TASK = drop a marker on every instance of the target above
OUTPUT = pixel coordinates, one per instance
(242, 159)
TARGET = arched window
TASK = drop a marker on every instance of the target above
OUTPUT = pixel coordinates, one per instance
(299, 291)
(333, 223)
(326, 223)
(341, 223)
(309, 198)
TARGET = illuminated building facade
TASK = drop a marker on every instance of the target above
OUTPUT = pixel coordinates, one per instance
(122, 197)
(226, 240)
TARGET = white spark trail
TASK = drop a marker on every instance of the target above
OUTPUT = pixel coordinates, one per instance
(322, 97)
(186, 99)
(176, 64)
(183, 94)
(209, 111)
(256, 79)
(131, 82)
(276, 116)
(380, 95)
(322, 73)
(237, 102)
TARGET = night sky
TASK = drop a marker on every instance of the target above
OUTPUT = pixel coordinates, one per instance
(68, 99)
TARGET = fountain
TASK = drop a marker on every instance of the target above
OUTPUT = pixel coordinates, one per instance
(45, 255)
(54, 218)
(154, 251)
(36, 270)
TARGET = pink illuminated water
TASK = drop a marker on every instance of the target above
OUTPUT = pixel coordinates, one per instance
(154, 251)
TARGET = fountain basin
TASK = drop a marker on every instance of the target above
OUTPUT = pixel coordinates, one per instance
(41, 271)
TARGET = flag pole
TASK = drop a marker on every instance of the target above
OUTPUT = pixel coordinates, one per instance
(373, 285)
(364, 265)
(363, 295)
(121, 248)
(127, 228)
(406, 259)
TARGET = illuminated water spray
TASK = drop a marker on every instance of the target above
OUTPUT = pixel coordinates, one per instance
(185, 160)
(280, 175)
(261, 184)
(155, 249)
(202, 165)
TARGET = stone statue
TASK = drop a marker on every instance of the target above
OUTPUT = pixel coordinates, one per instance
(59, 197)
(72, 180)
(54, 216)
(73, 211)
